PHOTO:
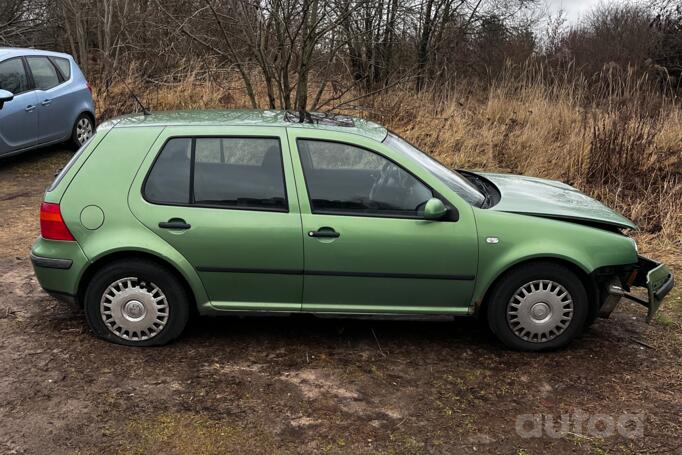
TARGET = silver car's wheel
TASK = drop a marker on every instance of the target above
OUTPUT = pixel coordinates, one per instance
(84, 130)
(540, 311)
(134, 310)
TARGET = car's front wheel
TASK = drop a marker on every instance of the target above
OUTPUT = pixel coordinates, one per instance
(538, 306)
(136, 303)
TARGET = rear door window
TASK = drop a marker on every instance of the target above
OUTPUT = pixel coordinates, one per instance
(44, 73)
(239, 173)
(168, 182)
(13, 76)
(222, 172)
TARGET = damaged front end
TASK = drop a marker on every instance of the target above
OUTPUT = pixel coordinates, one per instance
(615, 283)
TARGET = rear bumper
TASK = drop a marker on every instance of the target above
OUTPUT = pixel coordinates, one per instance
(51, 263)
(57, 266)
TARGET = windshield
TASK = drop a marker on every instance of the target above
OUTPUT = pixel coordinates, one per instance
(451, 178)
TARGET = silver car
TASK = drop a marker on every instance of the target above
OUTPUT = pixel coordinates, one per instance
(44, 99)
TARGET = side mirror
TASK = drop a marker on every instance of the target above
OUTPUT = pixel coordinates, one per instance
(5, 96)
(434, 209)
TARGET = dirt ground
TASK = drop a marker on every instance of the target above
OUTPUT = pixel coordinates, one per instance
(307, 385)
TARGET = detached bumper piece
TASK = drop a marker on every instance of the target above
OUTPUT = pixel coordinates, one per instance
(654, 276)
(659, 281)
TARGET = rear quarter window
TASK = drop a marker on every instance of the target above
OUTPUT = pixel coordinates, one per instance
(64, 66)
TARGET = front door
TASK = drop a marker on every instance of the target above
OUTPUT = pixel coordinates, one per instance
(19, 117)
(225, 199)
(367, 248)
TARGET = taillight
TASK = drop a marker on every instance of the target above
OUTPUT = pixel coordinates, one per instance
(89, 87)
(52, 226)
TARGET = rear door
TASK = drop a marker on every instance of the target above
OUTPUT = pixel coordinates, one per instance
(19, 117)
(225, 199)
(367, 247)
(54, 111)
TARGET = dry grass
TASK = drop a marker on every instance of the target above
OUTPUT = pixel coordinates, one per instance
(616, 139)
(629, 157)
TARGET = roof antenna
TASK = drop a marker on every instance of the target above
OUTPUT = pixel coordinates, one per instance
(145, 110)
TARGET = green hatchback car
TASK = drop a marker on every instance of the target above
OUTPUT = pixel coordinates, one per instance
(268, 211)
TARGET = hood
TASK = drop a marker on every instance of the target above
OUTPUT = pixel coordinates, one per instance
(552, 199)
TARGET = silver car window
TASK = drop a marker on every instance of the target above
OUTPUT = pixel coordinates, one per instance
(13, 76)
(44, 73)
(64, 66)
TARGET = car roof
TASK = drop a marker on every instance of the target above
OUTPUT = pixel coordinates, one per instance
(18, 51)
(253, 117)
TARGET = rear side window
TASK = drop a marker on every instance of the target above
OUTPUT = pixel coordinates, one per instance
(238, 173)
(64, 66)
(13, 76)
(44, 73)
(168, 182)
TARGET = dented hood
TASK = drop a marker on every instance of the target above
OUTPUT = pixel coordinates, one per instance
(549, 198)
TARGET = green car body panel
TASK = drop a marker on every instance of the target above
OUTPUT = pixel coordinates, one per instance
(534, 196)
(251, 260)
(524, 237)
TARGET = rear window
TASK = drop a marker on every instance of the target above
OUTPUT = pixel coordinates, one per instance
(224, 172)
(64, 66)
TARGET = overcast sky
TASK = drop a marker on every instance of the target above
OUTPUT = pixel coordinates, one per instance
(574, 8)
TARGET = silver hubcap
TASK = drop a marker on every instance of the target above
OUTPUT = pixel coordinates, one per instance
(83, 130)
(133, 309)
(540, 311)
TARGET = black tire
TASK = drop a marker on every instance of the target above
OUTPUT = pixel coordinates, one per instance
(500, 297)
(148, 274)
(77, 138)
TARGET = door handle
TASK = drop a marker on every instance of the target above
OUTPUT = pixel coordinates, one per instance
(174, 223)
(324, 233)
(30, 108)
(46, 102)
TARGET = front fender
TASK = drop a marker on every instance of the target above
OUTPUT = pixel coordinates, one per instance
(522, 238)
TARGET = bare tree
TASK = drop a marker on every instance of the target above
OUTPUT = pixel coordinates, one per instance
(21, 21)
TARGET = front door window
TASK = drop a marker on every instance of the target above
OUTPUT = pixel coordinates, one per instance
(13, 76)
(347, 180)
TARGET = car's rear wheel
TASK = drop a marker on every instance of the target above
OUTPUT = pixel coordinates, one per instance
(136, 303)
(83, 130)
(538, 306)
